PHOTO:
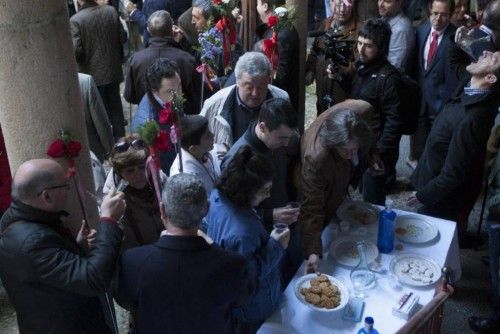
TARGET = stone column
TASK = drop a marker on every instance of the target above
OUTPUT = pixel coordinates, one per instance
(39, 92)
(301, 26)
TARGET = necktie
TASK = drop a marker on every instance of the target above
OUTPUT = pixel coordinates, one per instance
(432, 48)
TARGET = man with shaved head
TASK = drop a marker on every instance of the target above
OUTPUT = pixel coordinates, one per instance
(52, 284)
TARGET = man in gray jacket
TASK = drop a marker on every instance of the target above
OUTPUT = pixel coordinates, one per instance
(230, 110)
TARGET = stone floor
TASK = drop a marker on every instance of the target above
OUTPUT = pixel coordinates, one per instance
(471, 296)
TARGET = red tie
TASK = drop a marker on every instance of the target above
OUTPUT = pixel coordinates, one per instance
(432, 48)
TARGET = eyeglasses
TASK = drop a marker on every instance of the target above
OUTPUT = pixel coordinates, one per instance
(136, 144)
(66, 185)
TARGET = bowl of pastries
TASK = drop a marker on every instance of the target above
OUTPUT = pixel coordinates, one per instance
(322, 292)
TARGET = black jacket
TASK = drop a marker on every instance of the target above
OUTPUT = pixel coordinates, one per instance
(135, 83)
(287, 73)
(455, 146)
(377, 85)
(183, 285)
(51, 284)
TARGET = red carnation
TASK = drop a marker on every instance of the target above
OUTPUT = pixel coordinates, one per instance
(56, 149)
(165, 114)
(216, 2)
(268, 44)
(162, 142)
(220, 25)
(272, 21)
(73, 148)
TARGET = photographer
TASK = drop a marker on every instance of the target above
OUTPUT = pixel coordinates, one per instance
(375, 81)
(335, 47)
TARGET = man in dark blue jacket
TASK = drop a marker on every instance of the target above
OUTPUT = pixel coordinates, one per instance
(435, 77)
(140, 10)
(183, 283)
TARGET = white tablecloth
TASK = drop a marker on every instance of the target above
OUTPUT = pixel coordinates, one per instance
(379, 300)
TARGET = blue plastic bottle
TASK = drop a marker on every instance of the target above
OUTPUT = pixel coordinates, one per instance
(385, 241)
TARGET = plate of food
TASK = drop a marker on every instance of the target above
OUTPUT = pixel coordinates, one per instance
(415, 270)
(322, 292)
(358, 212)
(345, 251)
(414, 229)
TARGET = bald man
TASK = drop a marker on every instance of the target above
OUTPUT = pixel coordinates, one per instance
(52, 284)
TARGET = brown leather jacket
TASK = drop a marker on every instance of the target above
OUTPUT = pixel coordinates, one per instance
(324, 179)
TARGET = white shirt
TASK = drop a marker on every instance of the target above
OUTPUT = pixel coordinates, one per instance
(207, 172)
(429, 41)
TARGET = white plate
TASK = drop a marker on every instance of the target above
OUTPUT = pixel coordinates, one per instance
(345, 252)
(425, 270)
(305, 282)
(414, 229)
(358, 212)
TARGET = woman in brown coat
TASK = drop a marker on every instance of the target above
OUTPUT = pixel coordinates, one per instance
(329, 153)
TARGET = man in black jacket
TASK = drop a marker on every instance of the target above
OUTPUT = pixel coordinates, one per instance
(287, 72)
(451, 165)
(53, 286)
(375, 81)
(162, 45)
(183, 283)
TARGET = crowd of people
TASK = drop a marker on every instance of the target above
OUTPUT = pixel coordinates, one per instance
(193, 247)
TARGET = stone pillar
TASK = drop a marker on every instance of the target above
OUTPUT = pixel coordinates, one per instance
(39, 92)
(301, 26)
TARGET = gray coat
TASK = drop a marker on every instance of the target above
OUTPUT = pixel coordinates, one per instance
(96, 118)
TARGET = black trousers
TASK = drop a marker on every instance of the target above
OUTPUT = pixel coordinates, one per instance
(375, 187)
(110, 95)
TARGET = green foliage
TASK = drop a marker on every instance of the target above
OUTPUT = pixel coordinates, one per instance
(148, 132)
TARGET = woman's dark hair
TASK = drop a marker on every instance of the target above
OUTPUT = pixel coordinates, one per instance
(379, 32)
(246, 173)
(193, 127)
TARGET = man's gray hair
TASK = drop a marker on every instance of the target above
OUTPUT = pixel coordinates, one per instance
(160, 24)
(29, 188)
(206, 7)
(344, 125)
(255, 64)
(185, 200)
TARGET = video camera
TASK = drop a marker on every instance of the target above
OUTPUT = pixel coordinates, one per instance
(338, 50)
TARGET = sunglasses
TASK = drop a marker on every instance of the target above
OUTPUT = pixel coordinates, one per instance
(136, 144)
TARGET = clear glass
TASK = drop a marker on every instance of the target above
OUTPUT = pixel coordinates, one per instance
(362, 278)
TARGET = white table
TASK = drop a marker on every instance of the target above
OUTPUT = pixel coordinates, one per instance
(379, 300)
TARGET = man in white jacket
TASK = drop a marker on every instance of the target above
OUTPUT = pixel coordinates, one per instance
(230, 110)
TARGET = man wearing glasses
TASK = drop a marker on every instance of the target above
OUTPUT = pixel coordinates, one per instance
(51, 283)
(435, 77)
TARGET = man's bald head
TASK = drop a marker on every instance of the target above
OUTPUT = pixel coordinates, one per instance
(33, 177)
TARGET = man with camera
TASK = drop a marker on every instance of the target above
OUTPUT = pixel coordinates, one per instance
(374, 79)
(334, 46)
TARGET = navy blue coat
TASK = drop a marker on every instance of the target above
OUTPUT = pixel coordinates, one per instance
(182, 285)
(438, 82)
(141, 15)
